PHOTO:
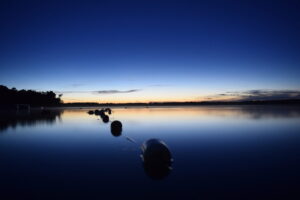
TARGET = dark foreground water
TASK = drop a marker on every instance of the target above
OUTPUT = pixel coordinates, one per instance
(219, 152)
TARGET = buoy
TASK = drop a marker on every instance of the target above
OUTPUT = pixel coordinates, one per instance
(90, 112)
(97, 112)
(105, 118)
(116, 128)
(102, 113)
(157, 159)
(108, 110)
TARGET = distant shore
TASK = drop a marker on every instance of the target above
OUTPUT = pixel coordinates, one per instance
(271, 102)
(288, 102)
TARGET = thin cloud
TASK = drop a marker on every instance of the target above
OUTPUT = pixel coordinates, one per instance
(116, 91)
(99, 91)
(70, 91)
(258, 95)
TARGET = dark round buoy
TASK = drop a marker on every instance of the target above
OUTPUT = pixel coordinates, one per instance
(90, 112)
(108, 110)
(97, 112)
(116, 128)
(101, 113)
(157, 159)
(105, 118)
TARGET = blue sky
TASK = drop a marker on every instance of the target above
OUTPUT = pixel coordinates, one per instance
(163, 50)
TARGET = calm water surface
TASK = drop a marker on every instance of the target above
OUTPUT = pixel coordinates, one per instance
(219, 152)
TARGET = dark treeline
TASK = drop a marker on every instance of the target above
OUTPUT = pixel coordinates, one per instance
(13, 96)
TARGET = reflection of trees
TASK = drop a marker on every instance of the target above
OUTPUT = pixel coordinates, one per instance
(257, 112)
(14, 119)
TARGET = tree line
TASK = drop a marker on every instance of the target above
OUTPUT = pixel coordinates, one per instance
(31, 97)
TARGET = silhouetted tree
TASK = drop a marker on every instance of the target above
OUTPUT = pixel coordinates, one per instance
(31, 97)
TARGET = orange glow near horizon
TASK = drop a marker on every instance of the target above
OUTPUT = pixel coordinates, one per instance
(126, 98)
(145, 100)
(150, 95)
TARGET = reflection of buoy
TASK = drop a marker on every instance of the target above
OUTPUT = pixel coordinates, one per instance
(116, 128)
(105, 118)
(157, 159)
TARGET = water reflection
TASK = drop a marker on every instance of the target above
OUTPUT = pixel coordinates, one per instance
(189, 112)
(32, 118)
(259, 112)
(220, 151)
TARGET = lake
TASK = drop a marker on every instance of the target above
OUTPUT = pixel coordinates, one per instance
(218, 152)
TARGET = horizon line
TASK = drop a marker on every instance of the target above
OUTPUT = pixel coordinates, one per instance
(190, 102)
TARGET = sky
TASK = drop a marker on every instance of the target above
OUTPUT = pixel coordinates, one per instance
(143, 51)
